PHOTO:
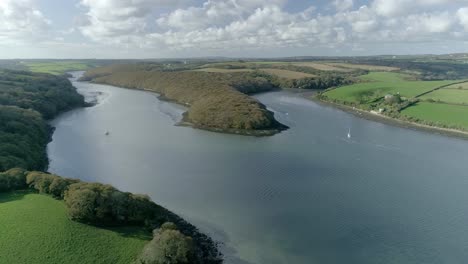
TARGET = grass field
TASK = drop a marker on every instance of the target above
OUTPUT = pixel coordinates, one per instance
(34, 229)
(451, 96)
(378, 84)
(222, 70)
(321, 66)
(461, 86)
(450, 115)
(288, 74)
(364, 67)
(57, 67)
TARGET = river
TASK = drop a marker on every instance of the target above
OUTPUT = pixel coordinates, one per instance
(307, 195)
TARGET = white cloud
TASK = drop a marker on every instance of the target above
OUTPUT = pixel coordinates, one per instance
(391, 8)
(213, 13)
(221, 26)
(462, 15)
(343, 5)
(259, 24)
(20, 21)
(118, 20)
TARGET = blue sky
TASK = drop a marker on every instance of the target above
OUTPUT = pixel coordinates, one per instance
(236, 28)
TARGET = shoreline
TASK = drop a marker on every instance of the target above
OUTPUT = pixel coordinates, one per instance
(207, 248)
(392, 121)
(184, 122)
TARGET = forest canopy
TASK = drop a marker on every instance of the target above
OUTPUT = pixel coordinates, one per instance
(27, 100)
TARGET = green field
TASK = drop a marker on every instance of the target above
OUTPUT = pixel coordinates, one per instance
(460, 86)
(321, 66)
(446, 114)
(451, 96)
(34, 228)
(222, 70)
(378, 84)
(57, 67)
(292, 75)
(363, 67)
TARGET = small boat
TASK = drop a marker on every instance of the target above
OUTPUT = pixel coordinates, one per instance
(349, 133)
(107, 133)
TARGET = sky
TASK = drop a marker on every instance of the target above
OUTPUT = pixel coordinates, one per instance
(230, 28)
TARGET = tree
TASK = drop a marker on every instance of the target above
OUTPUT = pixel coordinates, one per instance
(168, 246)
(81, 203)
(13, 179)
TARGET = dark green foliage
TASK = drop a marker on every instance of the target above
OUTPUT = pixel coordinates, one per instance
(169, 246)
(251, 82)
(321, 82)
(23, 138)
(13, 179)
(25, 100)
(45, 93)
(103, 205)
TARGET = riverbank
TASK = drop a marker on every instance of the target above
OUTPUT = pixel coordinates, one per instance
(374, 116)
(215, 101)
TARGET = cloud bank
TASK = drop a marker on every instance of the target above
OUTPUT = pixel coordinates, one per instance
(214, 26)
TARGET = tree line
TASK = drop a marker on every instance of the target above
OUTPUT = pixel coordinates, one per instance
(175, 241)
(27, 100)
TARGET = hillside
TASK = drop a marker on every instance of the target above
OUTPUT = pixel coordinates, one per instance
(213, 100)
(27, 100)
(29, 219)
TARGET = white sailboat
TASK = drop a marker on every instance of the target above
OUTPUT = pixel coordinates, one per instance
(349, 133)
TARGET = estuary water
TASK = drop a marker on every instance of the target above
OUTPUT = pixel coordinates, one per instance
(307, 195)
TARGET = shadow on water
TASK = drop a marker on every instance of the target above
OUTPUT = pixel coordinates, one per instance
(12, 196)
(230, 254)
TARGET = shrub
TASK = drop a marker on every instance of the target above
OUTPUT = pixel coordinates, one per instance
(103, 204)
(168, 246)
(13, 179)
(49, 183)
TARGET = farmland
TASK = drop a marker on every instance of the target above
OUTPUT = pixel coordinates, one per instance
(378, 84)
(463, 86)
(363, 66)
(288, 74)
(321, 66)
(434, 103)
(36, 229)
(450, 96)
(441, 115)
(56, 67)
(220, 70)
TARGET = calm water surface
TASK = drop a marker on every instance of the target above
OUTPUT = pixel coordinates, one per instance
(307, 195)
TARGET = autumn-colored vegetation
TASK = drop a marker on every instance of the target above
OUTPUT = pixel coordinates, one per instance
(213, 100)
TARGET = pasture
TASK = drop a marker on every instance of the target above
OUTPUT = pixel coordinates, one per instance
(321, 66)
(56, 67)
(451, 96)
(439, 114)
(35, 229)
(363, 66)
(378, 84)
(288, 74)
(220, 70)
(461, 86)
